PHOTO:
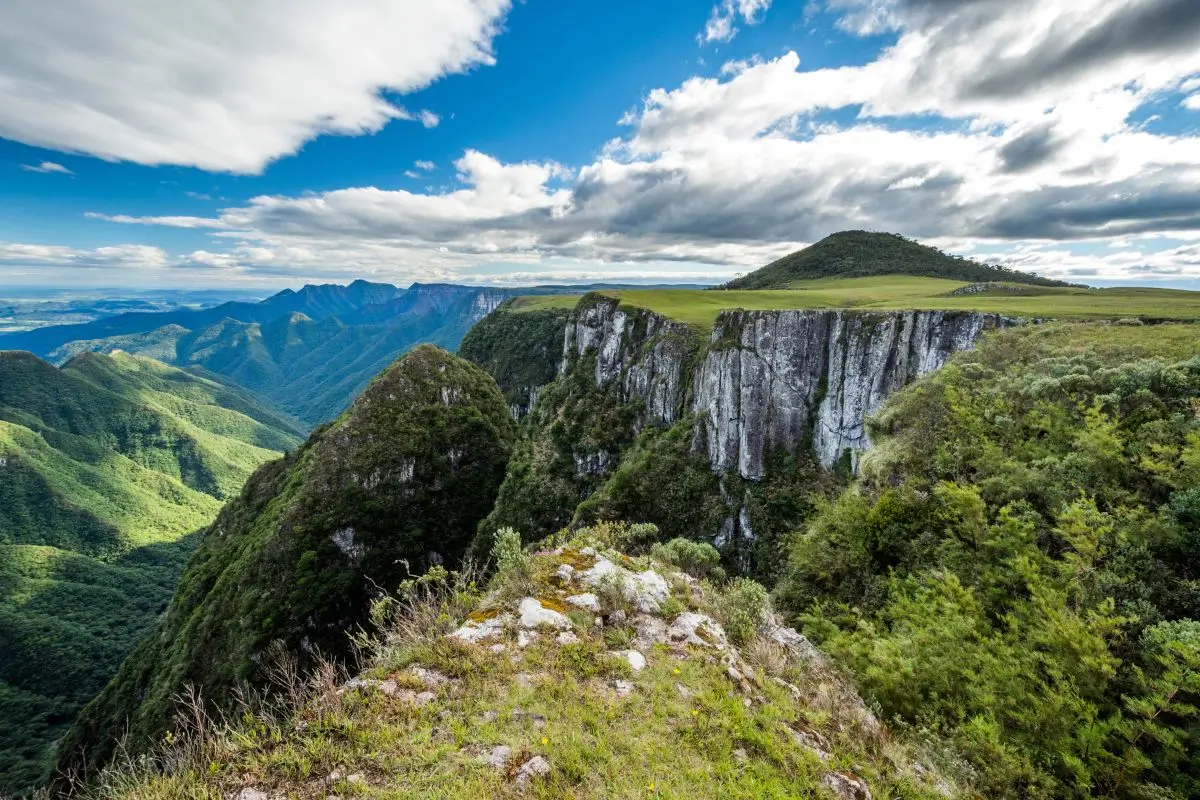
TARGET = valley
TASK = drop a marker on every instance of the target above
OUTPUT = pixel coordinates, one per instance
(980, 482)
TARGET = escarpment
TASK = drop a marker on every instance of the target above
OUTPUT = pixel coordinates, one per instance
(759, 387)
(397, 483)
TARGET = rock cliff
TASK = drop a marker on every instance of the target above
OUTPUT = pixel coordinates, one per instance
(768, 381)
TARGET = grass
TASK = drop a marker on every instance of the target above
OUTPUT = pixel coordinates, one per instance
(684, 730)
(700, 307)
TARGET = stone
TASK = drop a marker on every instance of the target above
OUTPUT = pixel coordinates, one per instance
(498, 647)
(533, 768)
(646, 590)
(497, 757)
(617, 617)
(526, 638)
(566, 637)
(796, 645)
(587, 602)
(637, 661)
(846, 786)
(474, 631)
(590, 552)
(812, 741)
(651, 630)
(249, 794)
(690, 628)
(623, 688)
(424, 698)
(430, 677)
(534, 615)
(564, 572)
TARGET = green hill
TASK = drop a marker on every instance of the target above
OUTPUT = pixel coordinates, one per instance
(858, 254)
(107, 466)
(396, 483)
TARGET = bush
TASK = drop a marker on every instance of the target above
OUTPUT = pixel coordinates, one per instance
(698, 559)
(743, 608)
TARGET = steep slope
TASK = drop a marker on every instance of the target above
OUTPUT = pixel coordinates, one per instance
(521, 350)
(1017, 570)
(721, 436)
(312, 365)
(398, 482)
(106, 467)
(582, 673)
(852, 254)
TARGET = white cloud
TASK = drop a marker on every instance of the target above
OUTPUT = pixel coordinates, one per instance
(126, 256)
(224, 85)
(1037, 169)
(47, 166)
(427, 166)
(721, 23)
(173, 222)
(1192, 102)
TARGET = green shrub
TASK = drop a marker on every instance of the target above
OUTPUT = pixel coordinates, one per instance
(743, 608)
(698, 559)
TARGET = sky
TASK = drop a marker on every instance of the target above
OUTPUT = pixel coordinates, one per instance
(272, 143)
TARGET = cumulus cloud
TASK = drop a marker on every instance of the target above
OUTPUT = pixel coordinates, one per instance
(225, 85)
(47, 166)
(721, 25)
(953, 142)
(129, 256)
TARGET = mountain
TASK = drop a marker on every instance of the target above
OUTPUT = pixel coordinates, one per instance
(313, 364)
(314, 301)
(107, 466)
(578, 671)
(856, 254)
(397, 483)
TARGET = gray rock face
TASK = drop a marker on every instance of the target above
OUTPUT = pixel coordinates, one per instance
(769, 380)
(780, 380)
(646, 352)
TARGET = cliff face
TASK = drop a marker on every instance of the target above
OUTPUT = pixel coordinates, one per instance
(769, 381)
(791, 380)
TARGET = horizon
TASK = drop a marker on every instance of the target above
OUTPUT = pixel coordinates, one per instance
(520, 144)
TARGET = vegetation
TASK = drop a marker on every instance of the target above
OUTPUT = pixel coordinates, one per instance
(522, 352)
(682, 726)
(853, 254)
(107, 467)
(1016, 572)
(398, 481)
(899, 293)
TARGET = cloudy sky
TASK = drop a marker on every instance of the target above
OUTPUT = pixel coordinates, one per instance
(276, 142)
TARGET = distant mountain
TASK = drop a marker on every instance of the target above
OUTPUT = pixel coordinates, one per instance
(107, 466)
(312, 364)
(315, 301)
(856, 254)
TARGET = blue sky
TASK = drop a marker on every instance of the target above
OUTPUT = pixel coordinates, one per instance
(215, 144)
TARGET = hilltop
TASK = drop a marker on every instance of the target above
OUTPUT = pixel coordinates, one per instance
(107, 466)
(578, 671)
(859, 254)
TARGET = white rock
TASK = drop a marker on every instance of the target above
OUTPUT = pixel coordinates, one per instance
(637, 661)
(531, 769)
(646, 590)
(564, 572)
(498, 647)
(526, 638)
(249, 794)
(567, 637)
(534, 615)
(846, 787)
(688, 626)
(430, 677)
(588, 551)
(624, 689)
(498, 757)
(811, 741)
(650, 630)
(424, 698)
(796, 645)
(474, 632)
(588, 602)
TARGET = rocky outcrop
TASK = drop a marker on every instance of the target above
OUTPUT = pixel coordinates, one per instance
(769, 381)
(646, 352)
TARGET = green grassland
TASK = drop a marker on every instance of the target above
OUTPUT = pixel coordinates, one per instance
(900, 293)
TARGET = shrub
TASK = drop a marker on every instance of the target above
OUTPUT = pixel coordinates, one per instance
(742, 608)
(698, 559)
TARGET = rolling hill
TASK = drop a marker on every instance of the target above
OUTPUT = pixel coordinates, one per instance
(107, 467)
(857, 254)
